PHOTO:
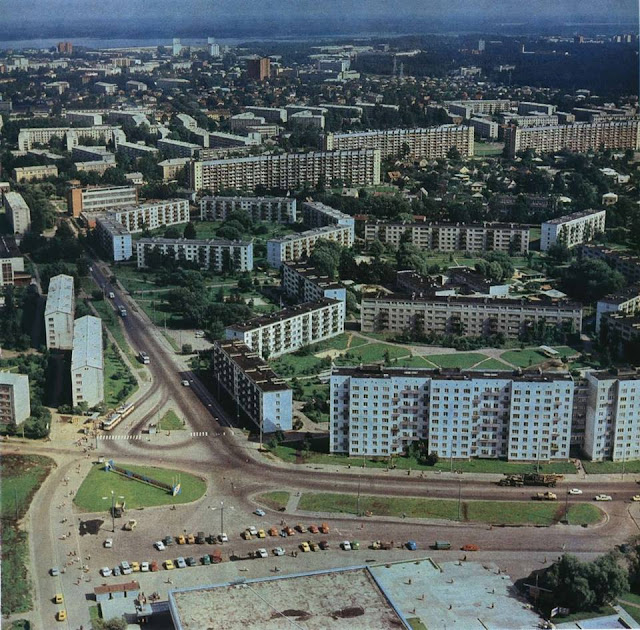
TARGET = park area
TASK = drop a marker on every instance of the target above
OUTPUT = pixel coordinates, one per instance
(21, 476)
(100, 482)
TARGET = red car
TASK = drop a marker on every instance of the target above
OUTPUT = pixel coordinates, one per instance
(470, 548)
(154, 566)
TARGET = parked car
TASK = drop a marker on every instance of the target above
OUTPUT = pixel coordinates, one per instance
(191, 561)
(246, 534)
(470, 548)
(278, 551)
(223, 538)
(305, 546)
(346, 545)
(125, 566)
(324, 528)
(191, 539)
(108, 543)
(168, 564)
(635, 497)
(200, 538)
(106, 572)
(205, 559)
(168, 541)
(199, 334)
(314, 529)
(58, 598)
(180, 563)
(117, 572)
(301, 528)
(289, 531)
(273, 531)
(181, 540)
(603, 497)
(314, 546)
(216, 556)
(259, 512)
(154, 567)
(262, 533)
(61, 615)
(262, 553)
(575, 491)
(252, 530)
(159, 545)
(185, 382)
(135, 567)
(144, 567)
(355, 545)
(131, 524)
(54, 571)
(442, 544)
(411, 545)
(324, 545)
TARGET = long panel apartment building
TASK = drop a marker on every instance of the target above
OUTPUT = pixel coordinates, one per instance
(296, 246)
(17, 212)
(577, 137)
(87, 362)
(252, 385)
(103, 134)
(305, 283)
(429, 143)
(15, 399)
(59, 313)
(100, 198)
(627, 264)
(287, 170)
(485, 237)
(153, 215)
(288, 330)
(378, 411)
(467, 315)
(270, 209)
(316, 214)
(625, 302)
(467, 108)
(572, 229)
(213, 254)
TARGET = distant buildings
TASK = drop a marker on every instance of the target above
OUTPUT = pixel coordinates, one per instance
(15, 399)
(259, 69)
(87, 362)
(304, 283)
(484, 127)
(318, 214)
(34, 173)
(270, 209)
(153, 214)
(65, 48)
(177, 149)
(468, 108)
(625, 302)
(29, 137)
(97, 198)
(11, 263)
(573, 229)
(17, 212)
(525, 108)
(626, 264)
(59, 313)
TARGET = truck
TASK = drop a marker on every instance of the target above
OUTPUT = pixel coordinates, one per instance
(118, 509)
(531, 479)
(545, 496)
(381, 544)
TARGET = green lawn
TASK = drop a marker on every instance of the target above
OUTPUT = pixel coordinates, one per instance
(634, 611)
(607, 468)
(462, 360)
(586, 614)
(414, 361)
(494, 512)
(340, 342)
(20, 624)
(416, 623)
(373, 353)
(99, 483)
(21, 476)
(274, 500)
(530, 356)
(170, 422)
(291, 365)
(631, 597)
(583, 513)
(481, 149)
(119, 382)
(492, 364)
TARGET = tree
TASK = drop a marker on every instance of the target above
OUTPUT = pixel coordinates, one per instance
(187, 348)
(190, 231)
(588, 280)
(117, 623)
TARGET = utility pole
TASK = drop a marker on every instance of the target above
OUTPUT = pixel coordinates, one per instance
(566, 508)
(459, 496)
(221, 517)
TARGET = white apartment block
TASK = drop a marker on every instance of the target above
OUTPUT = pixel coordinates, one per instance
(90, 119)
(114, 238)
(288, 330)
(256, 390)
(99, 198)
(525, 108)
(271, 209)
(188, 122)
(220, 139)
(34, 173)
(93, 154)
(214, 254)
(466, 315)
(17, 212)
(612, 430)
(29, 137)
(316, 214)
(15, 399)
(304, 283)
(429, 143)
(626, 302)
(287, 170)
(532, 120)
(468, 108)
(484, 127)
(59, 313)
(87, 362)
(379, 411)
(445, 237)
(572, 229)
(578, 137)
(177, 148)
(153, 215)
(134, 150)
(307, 118)
(296, 246)
(270, 114)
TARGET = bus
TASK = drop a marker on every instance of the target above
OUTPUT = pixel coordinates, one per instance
(144, 357)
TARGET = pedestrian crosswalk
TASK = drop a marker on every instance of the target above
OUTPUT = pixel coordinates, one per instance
(199, 433)
(121, 437)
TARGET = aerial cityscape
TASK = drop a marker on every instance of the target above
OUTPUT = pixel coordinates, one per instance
(319, 315)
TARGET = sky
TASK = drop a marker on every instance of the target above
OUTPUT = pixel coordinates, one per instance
(121, 13)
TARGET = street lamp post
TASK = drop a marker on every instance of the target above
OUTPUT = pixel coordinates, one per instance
(113, 509)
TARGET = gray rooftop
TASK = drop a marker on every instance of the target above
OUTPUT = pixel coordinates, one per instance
(60, 297)
(87, 343)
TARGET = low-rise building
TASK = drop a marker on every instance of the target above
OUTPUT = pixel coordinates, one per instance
(172, 168)
(572, 229)
(34, 173)
(296, 246)
(305, 283)
(292, 328)
(15, 399)
(467, 315)
(59, 313)
(17, 212)
(87, 362)
(270, 209)
(11, 263)
(512, 238)
(114, 238)
(100, 198)
(214, 254)
(316, 214)
(252, 385)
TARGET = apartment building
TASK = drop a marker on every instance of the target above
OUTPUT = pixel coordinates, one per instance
(290, 329)
(177, 148)
(467, 315)
(34, 173)
(29, 137)
(17, 212)
(248, 122)
(15, 399)
(153, 214)
(430, 143)
(114, 238)
(93, 154)
(99, 198)
(220, 139)
(578, 137)
(59, 313)
(214, 254)
(172, 168)
(572, 229)
(484, 127)
(296, 246)
(11, 263)
(90, 119)
(305, 283)
(512, 238)
(270, 209)
(612, 430)
(316, 214)
(134, 150)
(87, 362)
(99, 167)
(379, 411)
(307, 118)
(625, 302)
(626, 264)
(287, 170)
(243, 377)
(525, 108)
(457, 281)
(270, 114)
(531, 120)
(467, 108)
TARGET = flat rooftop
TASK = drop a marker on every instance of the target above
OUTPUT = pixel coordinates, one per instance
(195, 242)
(574, 216)
(311, 273)
(488, 225)
(343, 599)
(308, 233)
(541, 301)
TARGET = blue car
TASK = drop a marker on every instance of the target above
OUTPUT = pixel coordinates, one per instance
(412, 545)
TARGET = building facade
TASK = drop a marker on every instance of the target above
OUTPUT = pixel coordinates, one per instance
(573, 229)
(17, 212)
(15, 399)
(270, 209)
(98, 198)
(114, 238)
(304, 283)
(153, 215)
(316, 214)
(87, 362)
(626, 264)
(34, 173)
(288, 330)
(59, 313)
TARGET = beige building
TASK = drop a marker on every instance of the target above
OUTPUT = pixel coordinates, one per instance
(270, 209)
(87, 362)
(29, 137)
(153, 215)
(15, 399)
(572, 229)
(59, 313)
(172, 168)
(34, 173)
(466, 315)
(287, 170)
(99, 198)
(429, 143)
(444, 237)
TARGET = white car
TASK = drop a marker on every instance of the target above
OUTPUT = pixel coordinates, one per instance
(126, 568)
(223, 538)
(346, 545)
(260, 512)
(635, 497)
(278, 551)
(575, 491)
(199, 333)
(144, 567)
(159, 545)
(108, 543)
(252, 530)
(603, 497)
(185, 382)
(106, 572)
(262, 553)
